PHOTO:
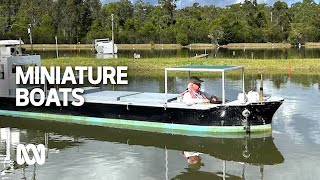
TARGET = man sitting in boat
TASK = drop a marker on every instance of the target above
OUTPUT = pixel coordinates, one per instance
(194, 95)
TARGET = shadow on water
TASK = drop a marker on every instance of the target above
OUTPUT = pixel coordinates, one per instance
(256, 150)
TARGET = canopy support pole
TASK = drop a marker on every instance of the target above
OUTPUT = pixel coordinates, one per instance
(165, 84)
(223, 88)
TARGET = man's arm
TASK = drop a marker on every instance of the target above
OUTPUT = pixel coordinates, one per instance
(187, 98)
(213, 99)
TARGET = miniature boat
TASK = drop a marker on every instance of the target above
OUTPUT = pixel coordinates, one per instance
(104, 46)
(157, 112)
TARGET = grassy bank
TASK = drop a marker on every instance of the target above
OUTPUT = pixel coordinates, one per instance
(312, 45)
(200, 46)
(257, 45)
(173, 46)
(149, 46)
(152, 65)
(91, 46)
(60, 46)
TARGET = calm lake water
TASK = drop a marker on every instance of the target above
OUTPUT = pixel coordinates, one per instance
(293, 53)
(89, 152)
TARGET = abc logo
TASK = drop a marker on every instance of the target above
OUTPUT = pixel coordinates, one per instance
(38, 154)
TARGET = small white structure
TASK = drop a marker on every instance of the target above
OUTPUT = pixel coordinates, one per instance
(104, 46)
(136, 56)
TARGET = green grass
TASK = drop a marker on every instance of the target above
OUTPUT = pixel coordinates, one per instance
(120, 46)
(156, 65)
(258, 45)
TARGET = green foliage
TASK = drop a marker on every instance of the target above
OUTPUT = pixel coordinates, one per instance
(168, 7)
(85, 20)
(182, 38)
(8, 11)
(45, 32)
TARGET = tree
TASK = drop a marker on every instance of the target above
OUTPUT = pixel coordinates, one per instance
(282, 19)
(150, 32)
(304, 21)
(73, 18)
(215, 34)
(45, 32)
(260, 19)
(301, 33)
(182, 38)
(142, 11)
(96, 31)
(84, 20)
(8, 11)
(169, 6)
(31, 11)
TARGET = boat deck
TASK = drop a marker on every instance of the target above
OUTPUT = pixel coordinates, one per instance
(140, 99)
(153, 99)
(94, 95)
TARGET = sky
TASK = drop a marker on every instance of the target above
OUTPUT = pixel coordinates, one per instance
(221, 3)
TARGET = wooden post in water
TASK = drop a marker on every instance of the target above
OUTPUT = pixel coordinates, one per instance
(30, 36)
(112, 36)
(20, 48)
(57, 52)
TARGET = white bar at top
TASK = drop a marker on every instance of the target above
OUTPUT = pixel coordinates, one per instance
(205, 69)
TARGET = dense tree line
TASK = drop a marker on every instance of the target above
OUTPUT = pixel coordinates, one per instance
(85, 20)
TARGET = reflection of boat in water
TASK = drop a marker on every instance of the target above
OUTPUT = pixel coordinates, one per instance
(195, 174)
(104, 46)
(256, 150)
(106, 56)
